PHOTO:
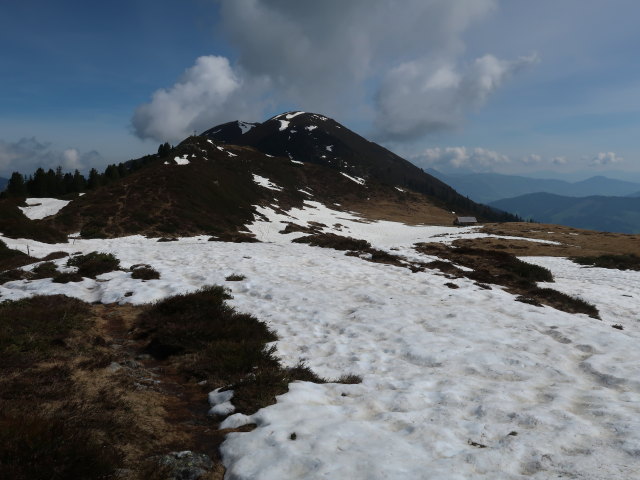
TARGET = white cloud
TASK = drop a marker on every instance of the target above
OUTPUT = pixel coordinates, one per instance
(453, 158)
(397, 65)
(207, 93)
(561, 160)
(533, 159)
(417, 98)
(28, 154)
(605, 158)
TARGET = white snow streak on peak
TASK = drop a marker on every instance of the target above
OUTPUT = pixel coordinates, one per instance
(266, 183)
(358, 180)
(245, 126)
(283, 125)
(293, 115)
(182, 160)
(39, 208)
(311, 128)
(329, 148)
(296, 161)
(399, 189)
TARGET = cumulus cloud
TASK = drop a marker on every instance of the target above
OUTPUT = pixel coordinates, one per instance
(415, 98)
(27, 154)
(605, 158)
(397, 65)
(460, 158)
(207, 93)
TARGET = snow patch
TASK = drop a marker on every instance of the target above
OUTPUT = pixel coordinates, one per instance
(245, 127)
(358, 180)
(293, 115)
(182, 160)
(283, 125)
(296, 161)
(221, 402)
(39, 208)
(311, 128)
(329, 148)
(266, 183)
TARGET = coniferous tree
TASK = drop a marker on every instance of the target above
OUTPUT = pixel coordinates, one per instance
(16, 186)
(95, 179)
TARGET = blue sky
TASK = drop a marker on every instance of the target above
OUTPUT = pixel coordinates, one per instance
(459, 85)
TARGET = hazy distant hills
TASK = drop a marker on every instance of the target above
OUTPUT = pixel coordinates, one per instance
(610, 214)
(490, 187)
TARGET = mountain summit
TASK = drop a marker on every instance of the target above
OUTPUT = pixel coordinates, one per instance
(220, 182)
(314, 138)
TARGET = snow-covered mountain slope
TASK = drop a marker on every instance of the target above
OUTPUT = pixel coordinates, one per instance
(314, 138)
(458, 383)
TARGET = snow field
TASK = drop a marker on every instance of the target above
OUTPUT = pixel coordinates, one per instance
(443, 369)
(39, 208)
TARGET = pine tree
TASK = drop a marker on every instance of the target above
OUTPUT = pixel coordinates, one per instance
(16, 186)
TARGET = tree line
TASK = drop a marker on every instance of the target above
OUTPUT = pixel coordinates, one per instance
(55, 183)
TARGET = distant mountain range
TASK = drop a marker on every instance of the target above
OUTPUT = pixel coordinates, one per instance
(610, 214)
(490, 187)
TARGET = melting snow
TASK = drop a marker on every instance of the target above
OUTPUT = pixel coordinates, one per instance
(293, 115)
(245, 127)
(358, 180)
(283, 125)
(38, 208)
(266, 183)
(182, 160)
(445, 371)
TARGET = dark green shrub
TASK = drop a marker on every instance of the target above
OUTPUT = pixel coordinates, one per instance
(94, 263)
(32, 327)
(235, 278)
(66, 277)
(331, 240)
(144, 272)
(36, 447)
(45, 270)
(618, 262)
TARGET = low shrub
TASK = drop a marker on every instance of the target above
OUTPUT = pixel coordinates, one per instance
(208, 340)
(12, 275)
(144, 272)
(45, 270)
(66, 277)
(235, 278)
(234, 237)
(31, 328)
(33, 446)
(618, 262)
(331, 240)
(565, 302)
(94, 263)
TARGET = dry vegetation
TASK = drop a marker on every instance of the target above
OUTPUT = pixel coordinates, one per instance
(572, 241)
(502, 268)
(106, 391)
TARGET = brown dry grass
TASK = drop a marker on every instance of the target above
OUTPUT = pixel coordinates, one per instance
(573, 241)
(405, 207)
